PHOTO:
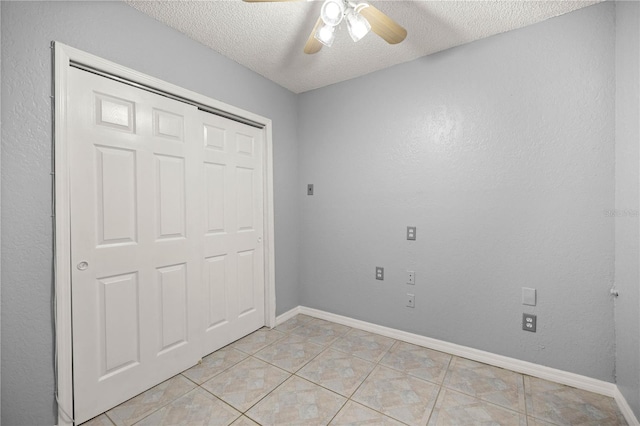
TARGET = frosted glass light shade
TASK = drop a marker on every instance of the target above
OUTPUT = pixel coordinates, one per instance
(325, 35)
(357, 25)
(332, 12)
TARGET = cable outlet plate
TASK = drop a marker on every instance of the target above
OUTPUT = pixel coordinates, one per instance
(379, 273)
(310, 189)
(411, 300)
(529, 322)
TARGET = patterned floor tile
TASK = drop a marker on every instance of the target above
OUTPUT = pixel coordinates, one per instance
(338, 371)
(147, 402)
(491, 384)
(101, 420)
(297, 321)
(398, 395)
(290, 353)
(417, 361)
(362, 344)
(213, 364)
(244, 421)
(320, 331)
(532, 421)
(454, 408)
(297, 402)
(402, 388)
(564, 405)
(198, 407)
(257, 340)
(246, 383)
(353, 414)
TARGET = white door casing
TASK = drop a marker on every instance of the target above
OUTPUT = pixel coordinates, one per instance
(136, 258)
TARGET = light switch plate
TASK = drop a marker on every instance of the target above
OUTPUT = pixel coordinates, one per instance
(528, 296)
(310, 189)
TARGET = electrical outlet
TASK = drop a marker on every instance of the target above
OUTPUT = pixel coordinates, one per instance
(411, 300)
(379, 273)
(310, 189)
(529, 322)
(411, 232)
(411, 277)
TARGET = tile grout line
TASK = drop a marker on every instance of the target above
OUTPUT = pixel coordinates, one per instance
(376, 364)
(107, 415)
(268, 393)
(434, 404)
(284, 335)
(440, 387)
(221, 371)
(223, 401)
(346, 401)
(302, 366)
(244, 413)
(168, 403)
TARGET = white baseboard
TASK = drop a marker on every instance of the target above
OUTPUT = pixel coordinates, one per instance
(535, 370)
(287, 315)
(625, 408)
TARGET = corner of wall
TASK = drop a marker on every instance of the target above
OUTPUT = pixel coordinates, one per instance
(627, 203)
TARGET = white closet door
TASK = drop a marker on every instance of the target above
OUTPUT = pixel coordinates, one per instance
(136, 200)
(233, 257)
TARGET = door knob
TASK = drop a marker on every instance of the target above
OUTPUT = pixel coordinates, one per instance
(83, 265)
(259, 239)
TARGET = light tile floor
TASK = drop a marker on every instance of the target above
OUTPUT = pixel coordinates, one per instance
(309, 371)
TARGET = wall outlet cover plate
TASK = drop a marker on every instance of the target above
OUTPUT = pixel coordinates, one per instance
(411, 300)
(411, 233)
(529, 322)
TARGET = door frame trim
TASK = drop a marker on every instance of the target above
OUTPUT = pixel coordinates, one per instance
(63, 57)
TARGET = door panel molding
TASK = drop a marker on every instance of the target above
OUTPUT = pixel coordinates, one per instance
(169, 127)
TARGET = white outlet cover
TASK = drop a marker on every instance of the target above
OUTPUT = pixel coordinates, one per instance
(411, 277)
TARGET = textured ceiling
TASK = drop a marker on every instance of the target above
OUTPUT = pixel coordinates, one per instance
(268, 38)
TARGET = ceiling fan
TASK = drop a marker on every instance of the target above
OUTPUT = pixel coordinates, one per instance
(360, 18)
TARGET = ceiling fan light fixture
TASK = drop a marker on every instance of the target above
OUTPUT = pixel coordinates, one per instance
(357, 25)
(332, 12)
(326, 35)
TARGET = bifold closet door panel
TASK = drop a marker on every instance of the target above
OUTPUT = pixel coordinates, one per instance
(233, 256)
(135, 195)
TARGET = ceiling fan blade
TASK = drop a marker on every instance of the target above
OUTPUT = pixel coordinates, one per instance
(313, 45)
(385, 27)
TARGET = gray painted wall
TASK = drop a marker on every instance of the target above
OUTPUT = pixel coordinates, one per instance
(501, 152)
(119, 33)
(627, 270)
